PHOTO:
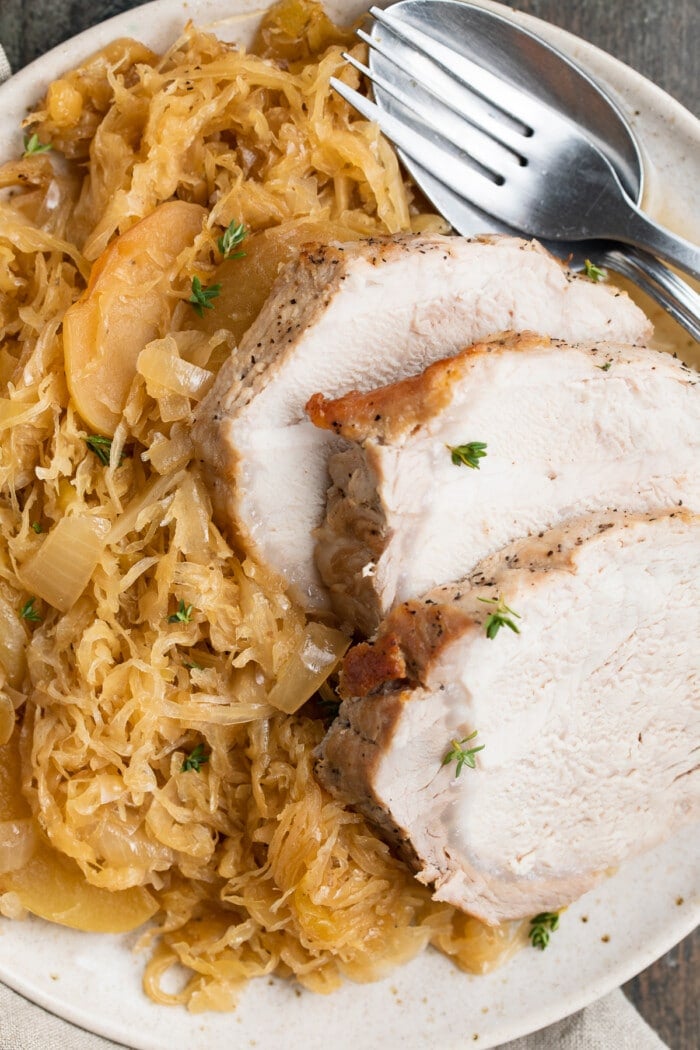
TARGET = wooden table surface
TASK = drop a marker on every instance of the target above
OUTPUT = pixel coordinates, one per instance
(660, 38)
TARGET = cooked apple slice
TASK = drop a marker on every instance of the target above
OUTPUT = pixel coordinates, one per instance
(53, 887)
(125, 305)
(247, 282)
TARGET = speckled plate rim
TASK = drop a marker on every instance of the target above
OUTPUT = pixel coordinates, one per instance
(609, 935)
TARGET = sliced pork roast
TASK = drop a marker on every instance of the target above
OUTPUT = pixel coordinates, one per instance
(356, 316)
(588, 718)
(505, 439)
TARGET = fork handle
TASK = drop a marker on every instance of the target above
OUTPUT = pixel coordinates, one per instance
(662, 285)
(631, 226)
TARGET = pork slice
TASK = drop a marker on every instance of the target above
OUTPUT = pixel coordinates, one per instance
(568, 430)
(589, 718)
(355, 316)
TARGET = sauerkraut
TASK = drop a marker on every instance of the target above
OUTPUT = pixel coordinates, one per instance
(156, 746)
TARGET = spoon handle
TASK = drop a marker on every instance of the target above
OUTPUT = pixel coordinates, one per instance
(631, 226)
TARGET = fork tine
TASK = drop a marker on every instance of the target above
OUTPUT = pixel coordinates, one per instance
(504, 96)
(463, 216)
(472, 141)
(457, 172)
(449, 92)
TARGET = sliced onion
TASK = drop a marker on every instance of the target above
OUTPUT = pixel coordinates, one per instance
(13, 641)
(17, 844)
(321, 650)
(7, 719)
(167, 454)
(211, 711)
(166, 372)
(61, 569)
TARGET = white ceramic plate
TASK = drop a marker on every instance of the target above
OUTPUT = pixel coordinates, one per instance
(608, 936)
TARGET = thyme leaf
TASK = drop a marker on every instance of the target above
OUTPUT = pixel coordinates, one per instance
(594, 272)
(196, 759)
(183, 614)
(500, 617)
(28, 612)
(541, 927)
(102, 447)
(32, 146)
(468, 455)
(234, 234)
(201, 297)
(463, 756)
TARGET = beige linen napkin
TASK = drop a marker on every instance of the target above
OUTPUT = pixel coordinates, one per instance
(610, 1024)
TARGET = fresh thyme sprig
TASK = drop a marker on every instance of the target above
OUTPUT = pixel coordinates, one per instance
(500, 617)
(101, 446)
(196, 759)
(605, 367)
(28, 612)
(32, 146)
(183, 614)
(201, 297)
(541, 927)
(463, 756)
(37, 527)
(594, 272)
(234, 234)
(468, 455)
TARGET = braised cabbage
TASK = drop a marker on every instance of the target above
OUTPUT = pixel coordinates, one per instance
(162, 761)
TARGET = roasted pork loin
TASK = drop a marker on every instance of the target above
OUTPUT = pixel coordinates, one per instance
(589, 717)
(355, 316)
(567, 430)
